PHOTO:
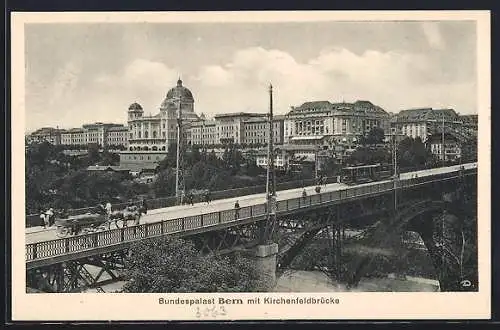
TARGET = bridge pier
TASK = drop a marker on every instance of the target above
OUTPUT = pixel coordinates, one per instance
(265, 259)
(336, 235)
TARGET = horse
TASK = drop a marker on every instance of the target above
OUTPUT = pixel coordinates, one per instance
(127, 214)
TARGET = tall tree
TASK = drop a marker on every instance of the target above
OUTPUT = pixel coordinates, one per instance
(93, 154)
(175, 265)
(376, 136)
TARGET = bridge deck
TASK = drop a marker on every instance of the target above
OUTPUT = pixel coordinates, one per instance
(186, 219)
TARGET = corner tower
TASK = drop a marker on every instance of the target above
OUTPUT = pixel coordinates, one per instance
(135, 111)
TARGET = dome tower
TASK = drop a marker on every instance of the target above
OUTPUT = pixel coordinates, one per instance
(176, 94)
(135, 111)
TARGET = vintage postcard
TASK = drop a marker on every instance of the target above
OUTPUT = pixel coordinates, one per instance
(250, 165)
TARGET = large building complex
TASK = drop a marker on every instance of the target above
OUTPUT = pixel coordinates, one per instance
(157, 132)
(48, 134)
(340, 123)
(424, 122)
(442, 130)
(256, 130)
(203, 132)
(98, 133)
(333, 126)
(306, 130)
(102, 134)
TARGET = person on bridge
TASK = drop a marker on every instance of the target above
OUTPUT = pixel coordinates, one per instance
(44, 217)
(108, 208)
(100, 209)
(304, 193)
(191, 198)
(50, 216)
(137, 219)
(236, 210)
(144, 206)
(207, 197)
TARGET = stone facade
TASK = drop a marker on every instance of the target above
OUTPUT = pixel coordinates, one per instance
(157, 132)
(345, 122)
(424, 122)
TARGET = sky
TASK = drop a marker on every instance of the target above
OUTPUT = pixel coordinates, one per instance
(83, 73)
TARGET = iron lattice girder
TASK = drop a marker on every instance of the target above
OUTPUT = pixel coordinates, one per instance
(88, 245)
(73, 276)
(411, 215)
(303, 237)
(228, 239)
(295, 232)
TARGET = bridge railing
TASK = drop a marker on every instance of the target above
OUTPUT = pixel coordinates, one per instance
(158, 203)
(58, 247)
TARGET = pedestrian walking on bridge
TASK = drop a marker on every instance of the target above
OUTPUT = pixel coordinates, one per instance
(207, 197)
(50, 217)
(144, 206)
(108, 214)
(45, 221)
(108, 208)
(236, 210)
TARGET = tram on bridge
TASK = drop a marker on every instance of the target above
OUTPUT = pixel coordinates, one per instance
(365, 173)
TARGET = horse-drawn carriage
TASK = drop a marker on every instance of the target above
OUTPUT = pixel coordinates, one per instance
(80, 224)
(96, 221)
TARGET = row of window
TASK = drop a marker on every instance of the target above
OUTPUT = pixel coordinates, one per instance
(140, 157)
(276, 140)
(153, 148)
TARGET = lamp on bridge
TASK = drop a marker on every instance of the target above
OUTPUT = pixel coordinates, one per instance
(271, 203)
(394, 147)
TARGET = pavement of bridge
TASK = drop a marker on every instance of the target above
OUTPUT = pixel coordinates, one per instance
(38, 234)
(180, 211)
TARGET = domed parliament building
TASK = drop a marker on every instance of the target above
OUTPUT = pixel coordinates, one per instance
(150, 136)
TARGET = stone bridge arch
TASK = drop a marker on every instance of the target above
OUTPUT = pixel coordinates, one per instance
(420, 219)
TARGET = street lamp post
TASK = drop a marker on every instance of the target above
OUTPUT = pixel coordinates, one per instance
(270, 181)
(442, 140)
(203, 146)
(316, 162)
(179, 182)
(395, 166)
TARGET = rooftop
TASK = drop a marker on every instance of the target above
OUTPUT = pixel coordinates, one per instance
(48, 130)
(325, 106)
(99, 124)
(239, 114)
(75, 130)
(118, 128)
(424, 114)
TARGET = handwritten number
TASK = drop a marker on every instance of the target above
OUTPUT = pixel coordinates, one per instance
(210, 311)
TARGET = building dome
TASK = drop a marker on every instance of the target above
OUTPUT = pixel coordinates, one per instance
(180, 91)
(135, 107)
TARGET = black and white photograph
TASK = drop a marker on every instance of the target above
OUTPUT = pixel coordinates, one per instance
(278, 161)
